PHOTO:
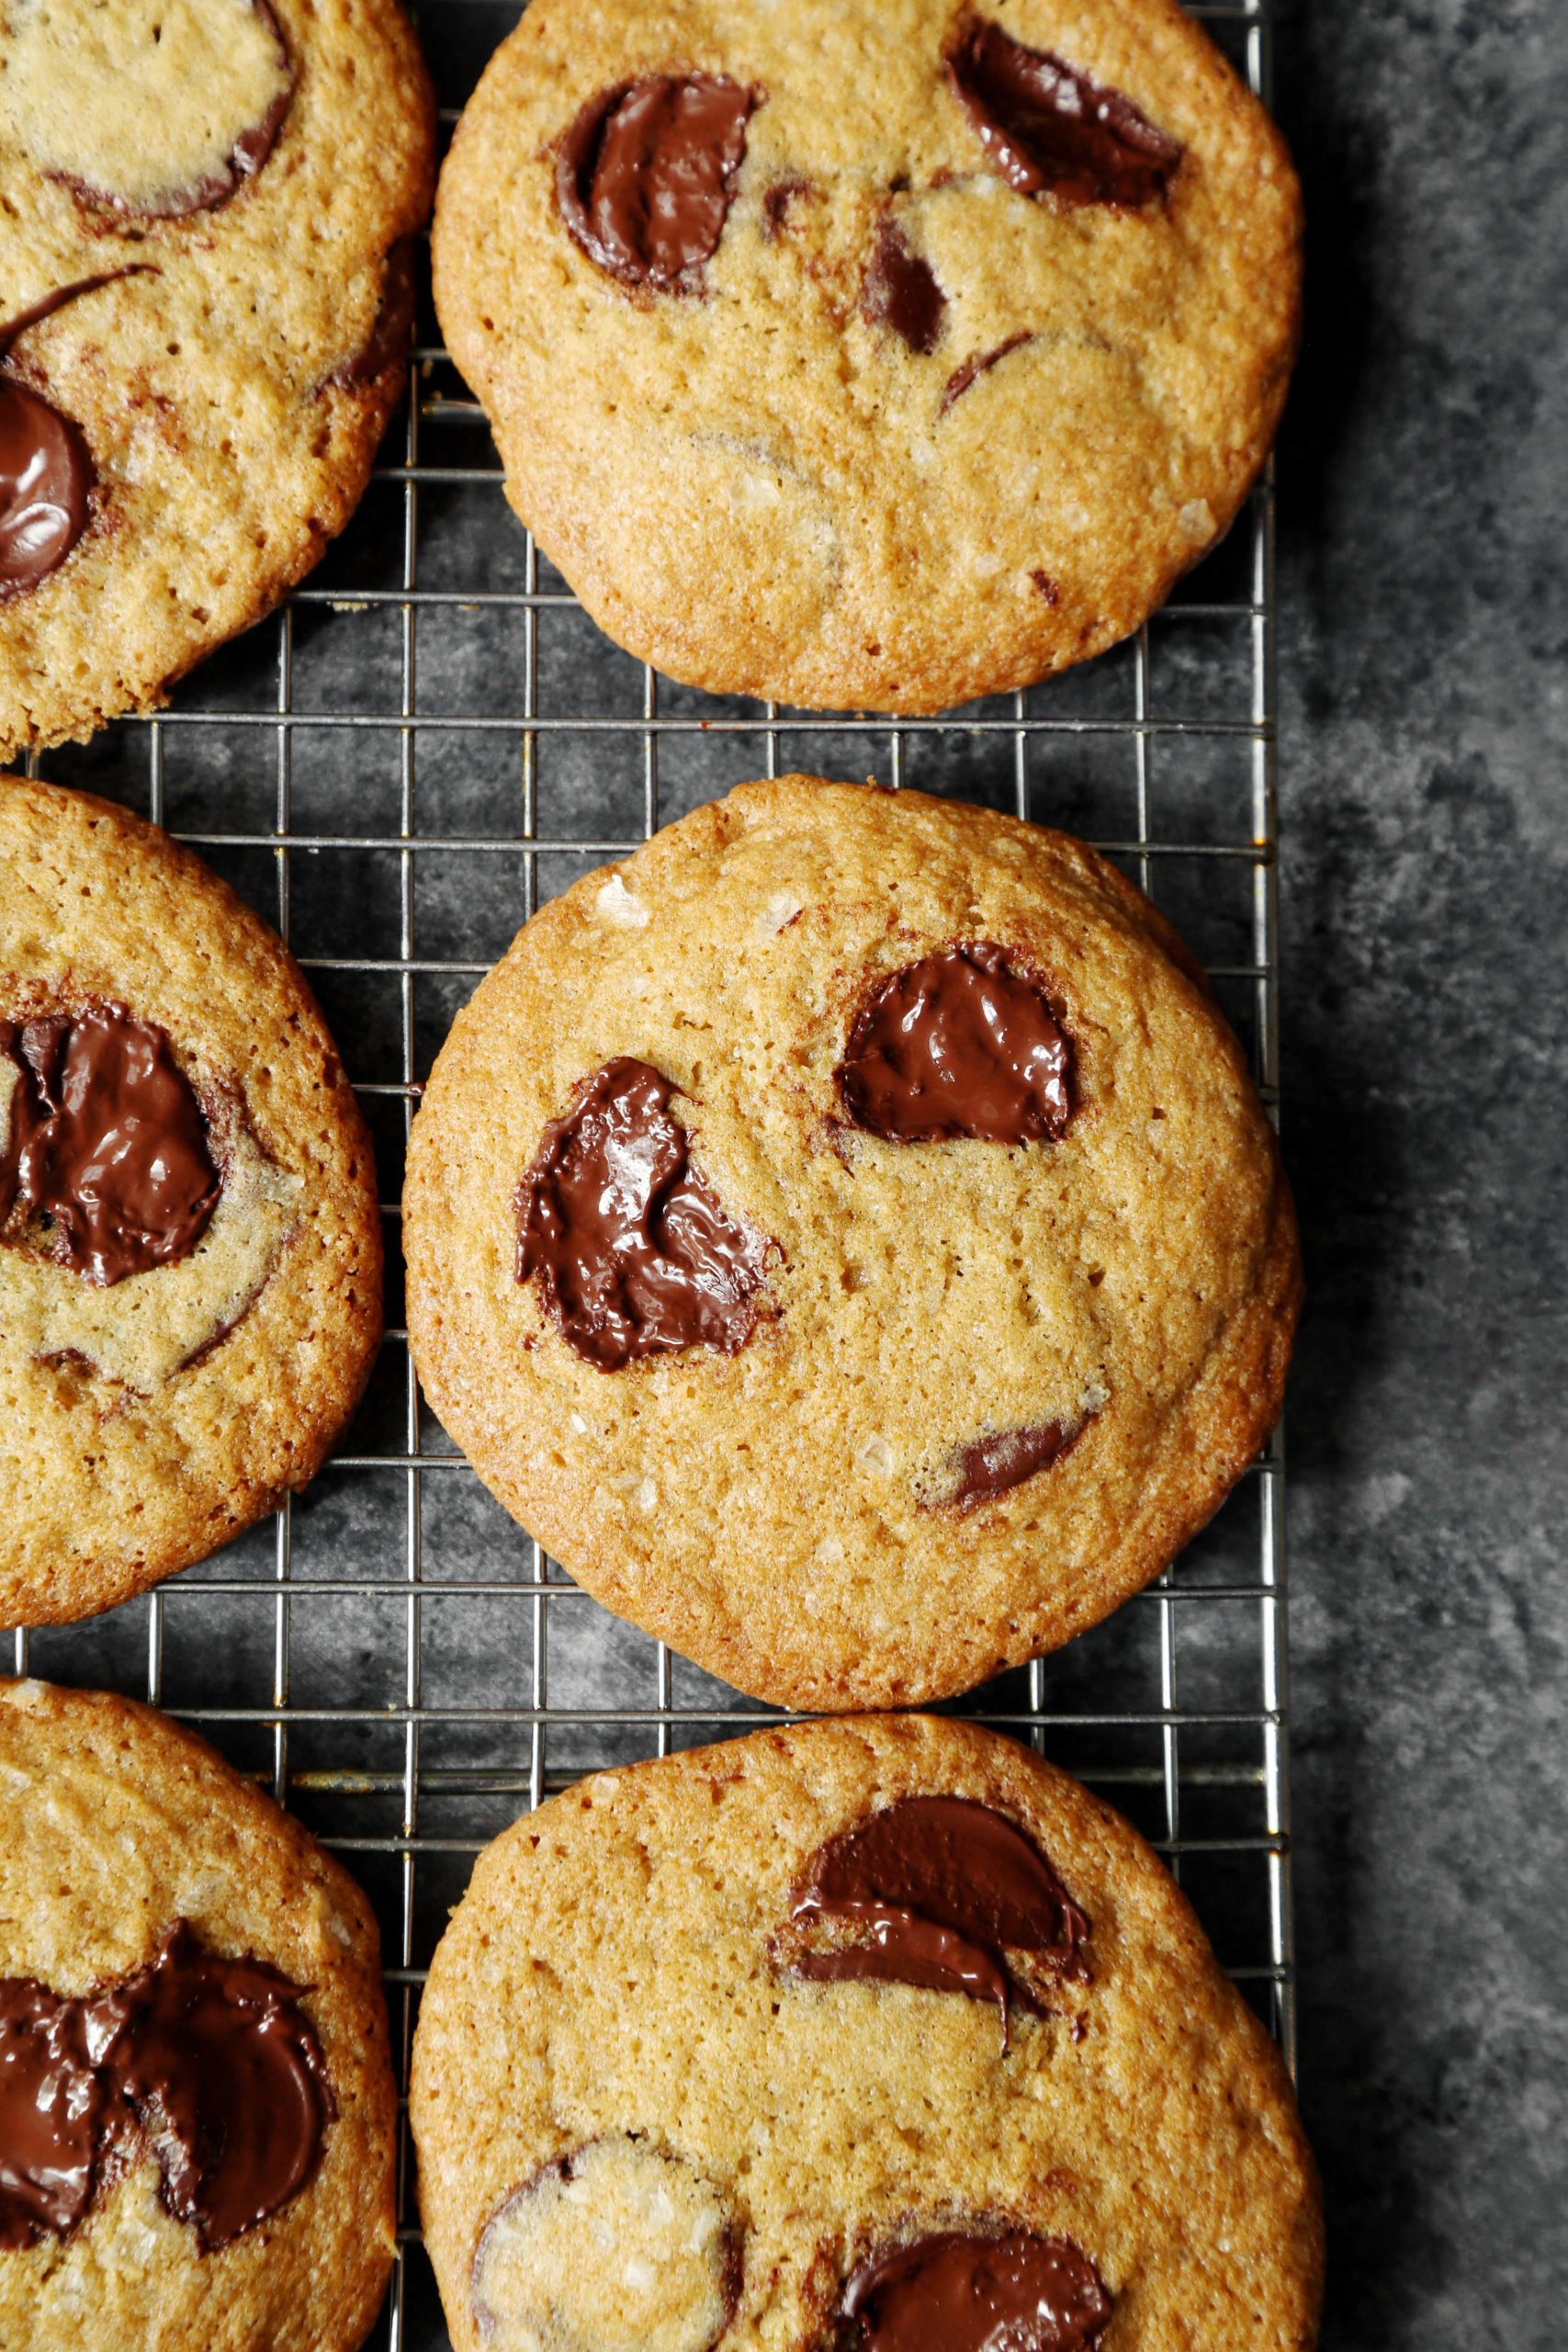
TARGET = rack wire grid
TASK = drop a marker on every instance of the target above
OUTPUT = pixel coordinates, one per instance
(428, 740)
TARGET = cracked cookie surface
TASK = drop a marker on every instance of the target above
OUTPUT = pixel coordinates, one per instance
(985, 1388)
(152, 1403)
(230, 184)
(923, 368)
(148, 1886)
(617, 2072)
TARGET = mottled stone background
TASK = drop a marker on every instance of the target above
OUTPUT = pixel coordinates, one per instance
(1425, 855)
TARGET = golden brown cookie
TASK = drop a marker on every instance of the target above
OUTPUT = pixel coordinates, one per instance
(190, 1245)
(645, 2118)
(204, 306)
(197, 2113)
(878, 353)
(846, 1234)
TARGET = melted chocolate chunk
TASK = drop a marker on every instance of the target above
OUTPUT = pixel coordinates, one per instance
(646, 175)
(394, 329)
(958, 1045)
(776, 201)
(106, 1138)
(989, 1466)
(253, 145)
(46, 486)
(958, 383)
(954, 2290)
(243, 160)
(38, 311)
(211, 2063)
(1049, 128)
(223, 2068)
(635, 1254)
(51, 2108)
(942, 1889)
(47, 476)
(901, 291)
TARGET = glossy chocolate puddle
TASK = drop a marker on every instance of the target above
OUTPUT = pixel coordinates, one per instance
(47, 475)
(1050, 129)
(991, 1467)
(940, 1892)
(958, 1045)
(974, 2291)
(632, 1250)
(646, 173)
(208, 2063)
(107, 1141)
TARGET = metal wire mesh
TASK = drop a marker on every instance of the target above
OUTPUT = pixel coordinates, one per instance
(428, 740)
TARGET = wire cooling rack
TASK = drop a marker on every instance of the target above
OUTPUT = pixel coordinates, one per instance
(428, 741)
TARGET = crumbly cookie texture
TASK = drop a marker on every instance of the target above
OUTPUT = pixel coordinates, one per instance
(838, 1513)
(909, 434)
(257, 167)
(609, 2000)
(117, 1822)
(146, 1423)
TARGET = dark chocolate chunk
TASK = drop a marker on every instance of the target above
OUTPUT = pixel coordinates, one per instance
(51, 2111)
(776, 201)
(645, 177)
(46, 486)
(989, 1466)
(243, 160)
(47, 476)
(901, 290)
(393, 330)
(635, 1254)
(958, 383)
(957, 2290)
(938, 1889)
(106, 1138)
(225, 2070)
(1049, 128)
(958, 1045)
(211, 2063)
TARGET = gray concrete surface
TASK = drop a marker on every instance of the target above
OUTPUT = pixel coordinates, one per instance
(1425, 828)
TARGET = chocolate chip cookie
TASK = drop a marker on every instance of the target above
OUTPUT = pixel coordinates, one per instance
(882, 353)
(197, 2114)
(190, 1246)
(205, 298)
(876, 2036)
(846, 1234)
